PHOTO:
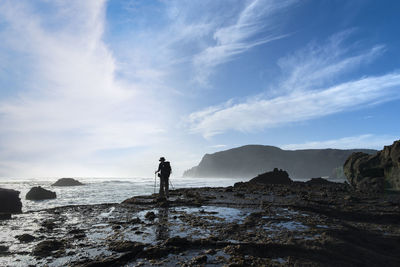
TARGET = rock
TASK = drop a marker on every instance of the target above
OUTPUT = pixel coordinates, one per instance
(177, 241)
(124, 246)
(3, 249)
(45, 248)
(252, 219)
(319, 181)
(5, 216)
(274, 177)
(67, 182)
(25, 238)
(210, 251)
(48, 224)
(39, 193)
(10, 201)
(150, 216)
(76, 232)
(199, 259)
(374, 173)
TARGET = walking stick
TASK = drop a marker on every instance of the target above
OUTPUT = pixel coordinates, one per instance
(171, 184)
(155, 182)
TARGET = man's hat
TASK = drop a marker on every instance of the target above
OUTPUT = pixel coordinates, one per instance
(162, 159)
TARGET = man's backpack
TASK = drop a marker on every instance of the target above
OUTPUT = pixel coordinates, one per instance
(166, 168)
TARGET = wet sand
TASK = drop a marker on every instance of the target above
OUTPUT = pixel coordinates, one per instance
(244, 225)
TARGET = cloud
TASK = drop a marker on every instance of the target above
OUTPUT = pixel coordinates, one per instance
(258, 17)
(70, 104)
(316, 66)
(311, 87)
(361, 141)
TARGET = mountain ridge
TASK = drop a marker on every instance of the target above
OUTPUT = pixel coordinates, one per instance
(251, 160)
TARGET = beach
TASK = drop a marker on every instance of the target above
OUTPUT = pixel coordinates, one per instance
(241, 225)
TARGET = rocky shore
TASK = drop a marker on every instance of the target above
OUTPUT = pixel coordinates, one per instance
(248, 224)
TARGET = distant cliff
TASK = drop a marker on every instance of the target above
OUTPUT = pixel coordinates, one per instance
(251, 160)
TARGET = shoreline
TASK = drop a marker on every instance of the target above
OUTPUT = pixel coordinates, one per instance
(241, 225)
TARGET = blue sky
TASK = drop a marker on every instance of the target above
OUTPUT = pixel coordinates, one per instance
(104, 88)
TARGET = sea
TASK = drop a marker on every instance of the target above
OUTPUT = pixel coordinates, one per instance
(102, 190)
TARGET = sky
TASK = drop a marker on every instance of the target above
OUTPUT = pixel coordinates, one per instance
(104, 88)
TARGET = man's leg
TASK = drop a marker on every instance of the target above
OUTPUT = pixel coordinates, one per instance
(167, 186)
(161, 192)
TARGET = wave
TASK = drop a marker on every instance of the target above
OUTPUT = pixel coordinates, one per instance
(116, 182)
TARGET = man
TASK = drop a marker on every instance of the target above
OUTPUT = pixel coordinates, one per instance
(164, 170)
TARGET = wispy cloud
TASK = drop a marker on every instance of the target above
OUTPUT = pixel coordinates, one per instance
(361, 141)
(231, 40)
(322, 65)
(310, 88)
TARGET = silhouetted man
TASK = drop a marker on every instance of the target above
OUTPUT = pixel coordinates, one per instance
(164, 170)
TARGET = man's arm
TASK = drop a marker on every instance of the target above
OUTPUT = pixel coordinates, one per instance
(159, 168)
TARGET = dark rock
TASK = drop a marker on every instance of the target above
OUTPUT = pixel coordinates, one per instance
(319, 181)
(252, 219)
(124, 246)
(45, 248)
(210, 251)
(39, 193)
(25, 238)
(10, 201)
(228, 189)
(199, 259)
(274, 177)
(163, 204)
(5, 216)
(155, 252)
(374, 172)
(67, 182)
(3, 249)
(177, 241)
(49, 224)
(76, 231)
(79, 236)
(150, 216)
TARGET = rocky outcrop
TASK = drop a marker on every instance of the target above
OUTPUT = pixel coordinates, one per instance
(67, 182)
(375, 172)
(10, 201)
(39, 193)
(319, 181)
(248, 161)
(274, 177)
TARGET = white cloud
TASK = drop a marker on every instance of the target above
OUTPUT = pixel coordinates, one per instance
(231, 40)
(317, 66)
(297, 106)
(361, 141)
(311, 87)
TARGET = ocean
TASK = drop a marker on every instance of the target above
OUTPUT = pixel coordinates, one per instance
(101, 190)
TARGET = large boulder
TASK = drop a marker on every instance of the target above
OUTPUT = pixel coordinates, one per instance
(67, 182)
(274, 177)
(375, 172)
(39, 193)
(10, 201)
